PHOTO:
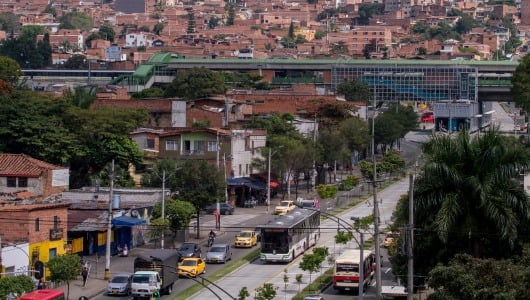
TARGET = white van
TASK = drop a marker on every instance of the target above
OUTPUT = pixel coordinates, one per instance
(145, 284)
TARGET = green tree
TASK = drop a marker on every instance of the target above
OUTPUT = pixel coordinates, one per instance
(76, 20)
(49, 9)
(178, 214)
(15, 284)
(290, 32)
(521, 83)
(144, 28)
(466, 277)
(265, 292)
(320, 34)
(44, 49)
(200, 184)
(10, 23)
(356, 134)
(231, 12)
(311, 262)
(9, 70)
(467, 199)
(106, 32)
(76, 62)
(152, 92)
(64, 268)
(368, 10)
(340, 48)
(196, 83)
(354, 90)
(158, 28)
(243, 294)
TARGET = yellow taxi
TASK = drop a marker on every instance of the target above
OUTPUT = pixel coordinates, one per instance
(246, 238)
(390, 237)
(284, 207)
(191, 267)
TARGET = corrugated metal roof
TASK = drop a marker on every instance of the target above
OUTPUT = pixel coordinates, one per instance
(23, 165)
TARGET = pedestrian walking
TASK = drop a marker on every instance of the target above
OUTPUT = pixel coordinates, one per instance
(367, 202)
(84, 273)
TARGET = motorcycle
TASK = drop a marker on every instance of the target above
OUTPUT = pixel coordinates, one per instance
(211, 239)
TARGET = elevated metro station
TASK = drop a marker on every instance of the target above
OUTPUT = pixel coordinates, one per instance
(470, 85)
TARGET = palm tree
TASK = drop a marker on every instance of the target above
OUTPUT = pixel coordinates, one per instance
(468, 192)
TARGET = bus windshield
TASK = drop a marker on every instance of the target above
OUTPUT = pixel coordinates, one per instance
(275, 242)
(347, 268)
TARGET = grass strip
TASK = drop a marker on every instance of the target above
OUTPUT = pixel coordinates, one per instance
(317, 285)
(214, 276)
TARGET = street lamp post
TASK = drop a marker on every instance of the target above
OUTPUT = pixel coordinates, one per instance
(269, 182)
(376, 211)
(162, 237)
(109, 225)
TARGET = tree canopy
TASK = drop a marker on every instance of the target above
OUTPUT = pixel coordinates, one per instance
(196, 83)
(57, 131)
(354, 90)
(19, 284)
(9, 70)
(521, 83)
(467, 199)
(64, 268)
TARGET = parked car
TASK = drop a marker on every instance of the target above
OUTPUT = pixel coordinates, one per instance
(218, 253)
(120, 284)
(246, 238)
(191, 267)
(284, 207)
(189, 250)
(226, 209)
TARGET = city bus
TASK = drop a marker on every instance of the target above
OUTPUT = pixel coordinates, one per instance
(290, 235)
(44, 295)
(346, 269)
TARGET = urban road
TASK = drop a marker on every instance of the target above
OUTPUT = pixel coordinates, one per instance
(256, 273)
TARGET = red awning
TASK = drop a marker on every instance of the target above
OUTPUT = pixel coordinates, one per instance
(274, 184)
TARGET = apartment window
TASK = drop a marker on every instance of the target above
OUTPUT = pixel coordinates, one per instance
(240, 169)
(365, 33)
(37, 224)
(11, 182)
(22, 182)
(171, 145)
(55, 222)
(53, 252)
(150, 144)
(212, 146)
(199, 146)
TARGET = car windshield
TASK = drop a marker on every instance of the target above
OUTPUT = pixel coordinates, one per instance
(284, 203)
(120, 279)
(186, 247)
(140, 279)
(189, 263)
(244, 234)
(217, 249)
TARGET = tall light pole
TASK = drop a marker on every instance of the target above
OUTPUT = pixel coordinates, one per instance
(162, 237)
(269, 181)
(410, 245)
(109, 225)
(376, 209)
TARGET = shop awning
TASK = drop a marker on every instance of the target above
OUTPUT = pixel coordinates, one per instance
(127, 221)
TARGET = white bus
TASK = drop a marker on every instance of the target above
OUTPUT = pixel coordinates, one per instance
(346, 269)
(290, 235)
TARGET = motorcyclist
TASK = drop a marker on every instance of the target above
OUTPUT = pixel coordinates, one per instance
(211, 237)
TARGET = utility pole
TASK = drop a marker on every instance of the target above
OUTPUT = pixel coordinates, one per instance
(109, 225)
(162, 237)
(376, 209)
(361, 266)
(410, 245)
(269, 181)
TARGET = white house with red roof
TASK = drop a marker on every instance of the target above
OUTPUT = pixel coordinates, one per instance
(20, 172)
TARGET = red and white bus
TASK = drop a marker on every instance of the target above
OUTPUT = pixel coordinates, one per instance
(346, 269)
(44, 295)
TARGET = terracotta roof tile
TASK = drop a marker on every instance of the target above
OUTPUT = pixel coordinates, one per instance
(23, 165)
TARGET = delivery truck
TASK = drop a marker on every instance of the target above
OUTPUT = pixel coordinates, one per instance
(154, 272)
